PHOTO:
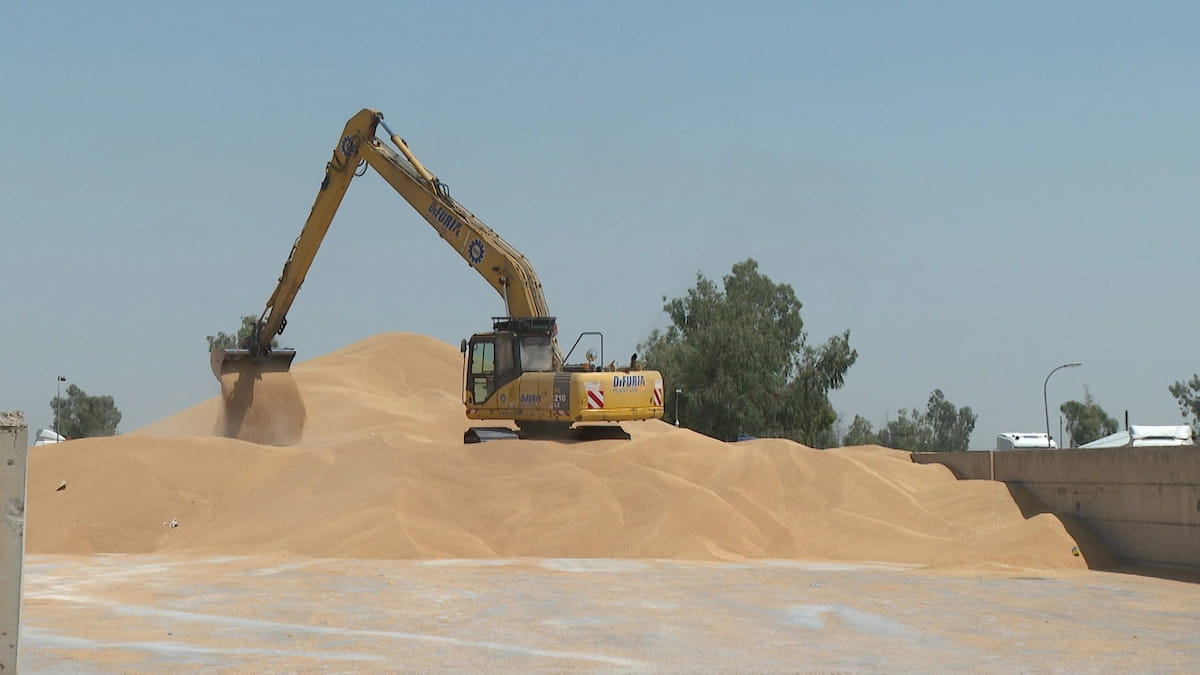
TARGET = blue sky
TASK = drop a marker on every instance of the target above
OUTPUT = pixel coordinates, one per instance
(977, 191)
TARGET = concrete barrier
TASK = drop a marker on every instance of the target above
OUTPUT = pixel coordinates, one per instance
(1143, 503)
(14, 450)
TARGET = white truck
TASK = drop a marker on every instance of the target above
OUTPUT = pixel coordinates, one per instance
(46, 437)
(1014, 440)
(1143, 435)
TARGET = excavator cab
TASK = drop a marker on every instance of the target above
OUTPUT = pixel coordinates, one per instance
(515, 372)
(504, 371)
(515, 346)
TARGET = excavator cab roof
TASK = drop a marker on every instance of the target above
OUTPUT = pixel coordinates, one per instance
(525, 325)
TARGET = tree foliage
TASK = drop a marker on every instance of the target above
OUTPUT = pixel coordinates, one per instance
(224, 340)
(82, 416)
(860, 433)
(942, 427)
(739, 352)
(951, 426)
(1086, 420)
(1187, 394)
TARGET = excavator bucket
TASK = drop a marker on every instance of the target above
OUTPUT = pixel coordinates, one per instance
(261, 402)
(227, 361)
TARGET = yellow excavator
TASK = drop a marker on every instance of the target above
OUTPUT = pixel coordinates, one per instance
(515, 372)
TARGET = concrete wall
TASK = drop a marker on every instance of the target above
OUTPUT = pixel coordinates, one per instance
(1143, 503)
(14, 450)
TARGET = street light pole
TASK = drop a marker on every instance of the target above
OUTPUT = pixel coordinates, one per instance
(1045, 405)
(678, 393)
(57, 400)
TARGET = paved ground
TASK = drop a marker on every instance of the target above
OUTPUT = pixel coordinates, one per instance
(152, 613)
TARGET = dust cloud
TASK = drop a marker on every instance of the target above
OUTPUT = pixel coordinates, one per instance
(261, 408)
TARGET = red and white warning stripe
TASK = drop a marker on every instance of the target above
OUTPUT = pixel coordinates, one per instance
(595, 395)
(658, 393)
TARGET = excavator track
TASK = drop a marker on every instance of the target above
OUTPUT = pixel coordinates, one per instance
(546, 431)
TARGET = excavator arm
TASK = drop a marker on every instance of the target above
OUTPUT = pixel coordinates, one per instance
(504, 269)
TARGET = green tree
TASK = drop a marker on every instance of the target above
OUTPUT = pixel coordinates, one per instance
(942, 427)
(83, 416)
(830, 437)
(224, 340)
(907, 432)
(740, 354)
(1187, 394)
(860, 433)
(951, 427)
(1086, 420)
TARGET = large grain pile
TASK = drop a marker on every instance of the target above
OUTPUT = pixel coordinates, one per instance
(381, 471)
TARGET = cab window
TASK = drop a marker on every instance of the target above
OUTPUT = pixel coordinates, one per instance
(537, 354)
(483, 368)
